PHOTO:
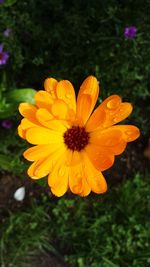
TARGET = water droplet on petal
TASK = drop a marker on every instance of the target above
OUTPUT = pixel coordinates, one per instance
(78, 176)
(129, 133)
(113, 104)
(61, 171)
(116, 119)
(68, 96)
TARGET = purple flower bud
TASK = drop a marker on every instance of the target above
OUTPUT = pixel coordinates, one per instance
(7, 124)
(4, 56)
(130, 32)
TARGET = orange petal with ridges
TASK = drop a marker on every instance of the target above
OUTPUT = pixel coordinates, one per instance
(43, 100)
(103, 113)
(129, 132)
(65, 91)
(39, 169)
(75, 174)
(83, 107)
(58, 179)
(59, 109)
(107, 137)
(89, 87)
(110, 112)
(77, 181)
(102, 160)
(49, 121)
(21, 132)
(43, 167)
(41, 136)
(41, 151)
(31, 171)
(86, 189)
(95, 178)
(28, 111)
(97, 118)
(50, 85)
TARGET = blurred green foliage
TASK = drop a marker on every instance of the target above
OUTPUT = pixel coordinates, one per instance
(106, 231)
(72, 39)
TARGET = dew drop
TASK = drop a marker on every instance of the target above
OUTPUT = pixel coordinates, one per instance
(61, 171)
(129, 133)
(116, 119)
(68, 96)
(113, 104)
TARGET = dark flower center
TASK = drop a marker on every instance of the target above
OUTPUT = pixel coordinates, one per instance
(76, 138)
(1, 55)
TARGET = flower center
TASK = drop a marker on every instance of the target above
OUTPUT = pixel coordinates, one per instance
(76, 138)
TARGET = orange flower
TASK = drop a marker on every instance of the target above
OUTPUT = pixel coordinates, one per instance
(73, 146)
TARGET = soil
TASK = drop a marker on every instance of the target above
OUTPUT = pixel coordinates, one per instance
(133, 160)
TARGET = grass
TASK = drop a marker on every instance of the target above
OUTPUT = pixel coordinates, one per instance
(111, 230)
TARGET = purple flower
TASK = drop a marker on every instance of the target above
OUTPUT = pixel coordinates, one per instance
(130, 32)
(1, 1)
(7, 124)
(7, 32)
(4, 56)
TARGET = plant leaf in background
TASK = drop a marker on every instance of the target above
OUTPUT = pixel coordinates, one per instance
(19, 95)
(9, 102)
(9, 3)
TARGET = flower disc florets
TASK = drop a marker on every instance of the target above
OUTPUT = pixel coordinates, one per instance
(76, 138)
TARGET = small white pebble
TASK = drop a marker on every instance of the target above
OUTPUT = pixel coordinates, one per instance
(19, 194)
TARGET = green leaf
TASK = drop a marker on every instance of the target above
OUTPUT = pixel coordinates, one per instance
(7, 110)
(9, 2)
(21, 95)
(5, 162)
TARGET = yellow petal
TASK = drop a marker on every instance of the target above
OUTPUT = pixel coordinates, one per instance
(41, 136)
(77, 182)
(28, 111)
(41, 151)
(44, 166)
(50, 85)
(129, 132)
(89, 87)
(43, 100)
(65, 91)
(31, 171)
(40, 168)
(49, 121)
(59, 109)
(21, 132)
(58, 179)
(94, 178)
(83, 108)
(85, 188)
(26, 124)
